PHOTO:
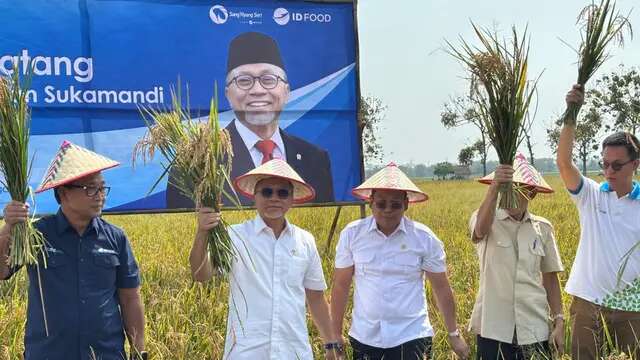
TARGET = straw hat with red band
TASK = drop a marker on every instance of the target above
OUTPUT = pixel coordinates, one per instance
(276, 168)
(73, 162)
(524, 174)
(390, 178)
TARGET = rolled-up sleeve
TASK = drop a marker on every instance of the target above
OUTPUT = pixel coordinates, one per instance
(314, 277)
(344, 255)
(435, 260)
(128, 273)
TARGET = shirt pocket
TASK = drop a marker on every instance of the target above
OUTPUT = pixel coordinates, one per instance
(297, 269)
(105, 269)
(408, 264)
(536, 250)
(363, 263)
(55, 258)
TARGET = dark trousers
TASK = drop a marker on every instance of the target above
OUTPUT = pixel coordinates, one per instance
(489, 349)
(418, 349)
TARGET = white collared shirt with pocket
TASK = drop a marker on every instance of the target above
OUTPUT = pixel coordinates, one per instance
(390, 306)
(267, 312)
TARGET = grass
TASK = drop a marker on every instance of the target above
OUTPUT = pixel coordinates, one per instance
(186, 320)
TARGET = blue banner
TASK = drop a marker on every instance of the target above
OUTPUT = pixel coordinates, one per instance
(95, 63)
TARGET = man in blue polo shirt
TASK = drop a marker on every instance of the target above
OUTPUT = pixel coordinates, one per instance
(91, 282)
(605, 287)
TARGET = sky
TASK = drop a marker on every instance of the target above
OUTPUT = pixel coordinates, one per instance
(402, 62)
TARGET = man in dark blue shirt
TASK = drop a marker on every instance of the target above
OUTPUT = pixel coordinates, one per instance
(91, 282)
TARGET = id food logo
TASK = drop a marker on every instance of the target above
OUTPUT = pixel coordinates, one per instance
(282, 17)
(219, 14)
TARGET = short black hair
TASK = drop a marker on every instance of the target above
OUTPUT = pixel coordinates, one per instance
(626, 139)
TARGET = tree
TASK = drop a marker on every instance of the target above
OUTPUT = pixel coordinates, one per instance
(421, 171)
(466, 155)
(461, 111)
(372, 112)
(617, 94)
(443, 169)
(586, 142)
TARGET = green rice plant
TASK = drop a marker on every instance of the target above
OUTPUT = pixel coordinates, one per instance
(28, 244)
(601, 25)
(498, 71)
(200, 155)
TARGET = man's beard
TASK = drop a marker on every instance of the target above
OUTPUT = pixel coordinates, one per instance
(260, 118)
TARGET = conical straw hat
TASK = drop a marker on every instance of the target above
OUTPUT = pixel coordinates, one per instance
(73, 162)
(524, 174)
(390, 178)
(277, 168)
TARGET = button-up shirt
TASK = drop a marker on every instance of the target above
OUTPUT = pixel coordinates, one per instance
(80, 291)
(267, 313)
(250, 140)
(513, 256)
(609, 229)
(390, 306)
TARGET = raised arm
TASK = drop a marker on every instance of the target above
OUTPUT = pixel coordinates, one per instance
(569, 172)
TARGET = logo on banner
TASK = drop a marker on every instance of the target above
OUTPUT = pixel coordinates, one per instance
(219, 14)
(281, 16)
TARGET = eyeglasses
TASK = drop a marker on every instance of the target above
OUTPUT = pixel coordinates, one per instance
(91, 191)
(615, 166)
(395, 205)
(246, 82)
(268, 192)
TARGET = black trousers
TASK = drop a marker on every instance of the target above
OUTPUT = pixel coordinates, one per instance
(489, 349)
(418, 349)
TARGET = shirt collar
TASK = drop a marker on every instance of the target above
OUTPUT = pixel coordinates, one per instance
(250, 138)
(373, 226)
(63, 225)
(260, 225)
(633, 195)
(502, 214)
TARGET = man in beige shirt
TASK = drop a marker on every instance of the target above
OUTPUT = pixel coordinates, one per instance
(519, 262)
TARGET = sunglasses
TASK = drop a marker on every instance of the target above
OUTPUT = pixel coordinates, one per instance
(382, 204)
(268, 192)
(615, 166)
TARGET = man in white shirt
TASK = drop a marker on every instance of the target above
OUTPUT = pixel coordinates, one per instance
(605, 276)
(389, 255)
(276, 269)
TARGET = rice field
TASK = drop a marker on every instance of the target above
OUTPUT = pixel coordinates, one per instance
(186, 320)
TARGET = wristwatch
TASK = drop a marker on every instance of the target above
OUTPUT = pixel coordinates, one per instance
(338, 347)
(455, 333)
(555, 317)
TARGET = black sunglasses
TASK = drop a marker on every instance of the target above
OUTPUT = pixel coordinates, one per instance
(615, 166)
(382, 204)
(268, 192)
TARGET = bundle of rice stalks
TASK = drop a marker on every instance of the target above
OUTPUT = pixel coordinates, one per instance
(600, 25)
(28, 244)
(501, 92)
(200, 156)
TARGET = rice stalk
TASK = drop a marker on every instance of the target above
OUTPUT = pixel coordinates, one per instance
(502, 93)
(200, 155)
(600, 26)
(28, 244)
